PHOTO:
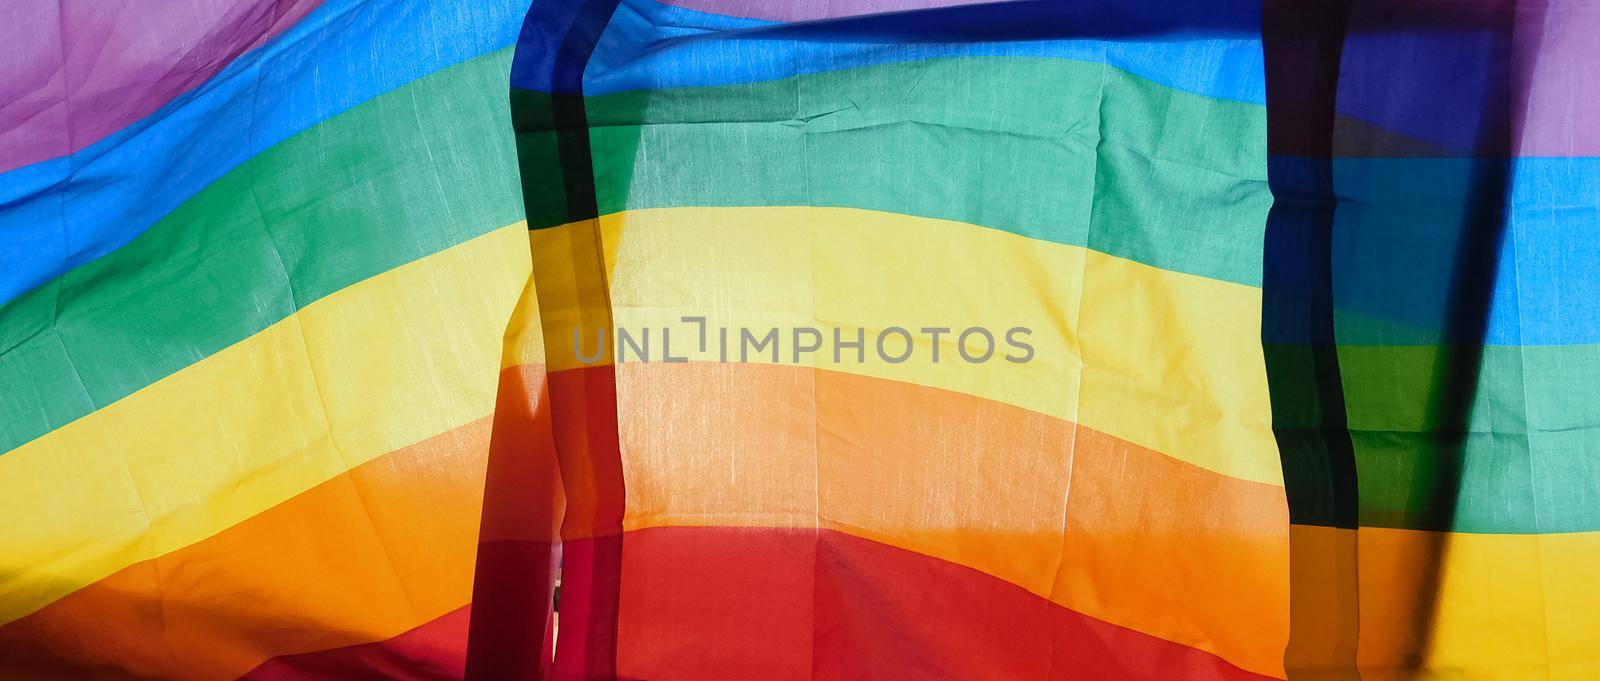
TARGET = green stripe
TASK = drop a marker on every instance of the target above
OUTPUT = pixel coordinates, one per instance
(1052, 149)
(1529, 461)
(410, 173)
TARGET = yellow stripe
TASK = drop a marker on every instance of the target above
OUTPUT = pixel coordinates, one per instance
(1424, 605)
(1166, 360)
(523, 344)
(377, 366)
(1509, 606)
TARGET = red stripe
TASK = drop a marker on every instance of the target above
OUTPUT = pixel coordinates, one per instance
(576, 413)
(512, 598)
(435, 651)
(757, 603)
(518, 550)
(584, 414)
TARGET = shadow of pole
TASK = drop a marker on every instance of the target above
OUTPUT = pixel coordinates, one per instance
(573, 477)
(1311, 271)
(1303, 44)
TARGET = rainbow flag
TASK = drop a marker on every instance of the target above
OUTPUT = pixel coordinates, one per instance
(256, 259)
(1223, 340)
(1306, 293)
(899, 345)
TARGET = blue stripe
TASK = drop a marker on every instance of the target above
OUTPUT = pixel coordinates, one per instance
(1395, 242)
(1206, 47)
(558, 38)
(61, 213)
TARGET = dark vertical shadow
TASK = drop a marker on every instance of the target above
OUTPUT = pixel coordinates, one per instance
(1303, 44)
(1315, 280)
(1476, 265)
(578, 411)
(593, 564)
(509, 632)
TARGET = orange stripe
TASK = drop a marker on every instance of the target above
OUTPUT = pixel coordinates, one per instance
(1177, 551)
(1107, 528)
(523, 499)
(363, 557)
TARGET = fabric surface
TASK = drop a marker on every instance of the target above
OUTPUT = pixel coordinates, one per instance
(799, 339)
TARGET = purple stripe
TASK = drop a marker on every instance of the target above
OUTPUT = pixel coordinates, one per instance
(1486, 78)
(1561, 77)
(75, 71)
(1480, 77)
(807, 10)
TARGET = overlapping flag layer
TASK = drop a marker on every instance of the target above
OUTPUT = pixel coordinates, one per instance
(1112, 508)
(258, 256)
